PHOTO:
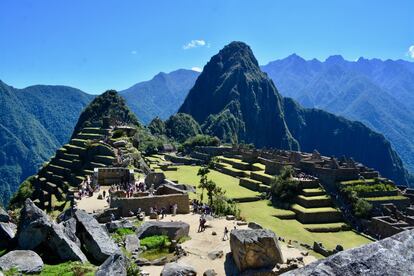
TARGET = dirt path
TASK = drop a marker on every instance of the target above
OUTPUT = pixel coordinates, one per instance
(92, 204)
(202, 243)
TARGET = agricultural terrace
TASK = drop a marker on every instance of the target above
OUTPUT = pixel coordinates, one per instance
(281, 221)
(188, 175)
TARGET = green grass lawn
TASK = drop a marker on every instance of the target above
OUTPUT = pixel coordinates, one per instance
(313, 190)
(235, 160)
(259, 165)
(314, 197)
(358, 182)
(188, 175)
(263, 214)
(385, 198)
(313, 210)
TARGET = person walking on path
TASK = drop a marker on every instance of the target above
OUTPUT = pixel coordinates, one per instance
(226, 234)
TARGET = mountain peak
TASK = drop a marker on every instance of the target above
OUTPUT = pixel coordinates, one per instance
(236, 53)
(109, 104)
(335, 59)
(232, 97)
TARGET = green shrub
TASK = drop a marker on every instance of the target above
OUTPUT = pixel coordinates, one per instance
(200, 141)
(69, 269)
(362, 188)
(284, 187)
(118, 134)
(25, 191)
(223, 206)
(133, 269)
(362, 208)
(155, 242)
(120, 234)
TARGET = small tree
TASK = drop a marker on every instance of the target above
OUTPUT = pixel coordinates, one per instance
(362, 208)
(284, 187)
(212, 190)
(203, 172)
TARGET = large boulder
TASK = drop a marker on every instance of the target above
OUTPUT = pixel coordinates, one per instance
(106, 215)
(173, 229)
(69, 228)
(25, 261)
(255, 249)
(7, 234)
(254, 225)
(132, 243)
(36, 232)
(390, 256)
(116, 264)
(114, 225)
(4, 216)
(96, 240)
(176, 269)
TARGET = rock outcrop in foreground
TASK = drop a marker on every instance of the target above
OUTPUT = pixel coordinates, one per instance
(116, 264)
(174, 269)
(94, 237)
(254, 249)
(37, 232)
(25, 261)
(390, 256)
(174, 230)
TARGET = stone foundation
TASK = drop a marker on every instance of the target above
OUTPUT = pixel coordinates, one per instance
(145, 203)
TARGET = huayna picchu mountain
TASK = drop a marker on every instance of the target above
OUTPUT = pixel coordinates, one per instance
(234, 100)
(91, 146)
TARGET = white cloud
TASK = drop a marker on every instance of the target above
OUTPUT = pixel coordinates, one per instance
(197, 69)
(411, 51)
(195, 43)
(133, 52)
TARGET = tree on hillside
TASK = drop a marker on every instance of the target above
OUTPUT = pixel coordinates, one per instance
(203, 172)
(212, 190)
(284, 186)
(157, 126)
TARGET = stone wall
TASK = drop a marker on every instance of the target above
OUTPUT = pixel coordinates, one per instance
(320, 217)
(274, 167)
(145, 203)
(156, 178)
(109, 176)
(214, 151)
(380, 226)
(182, 160)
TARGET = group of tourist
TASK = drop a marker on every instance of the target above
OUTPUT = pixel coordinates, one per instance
(128, 188)
(86, 188)
(201, 208)
(163, 211)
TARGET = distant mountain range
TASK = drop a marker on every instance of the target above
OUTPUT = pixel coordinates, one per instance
(161, 96)
(34, 122)
(234, 100)
(378, 93)
(37, 120)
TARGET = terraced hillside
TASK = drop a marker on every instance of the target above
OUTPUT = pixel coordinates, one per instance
(70, 166)
(376, 191)
(313, 207)
(247, 190)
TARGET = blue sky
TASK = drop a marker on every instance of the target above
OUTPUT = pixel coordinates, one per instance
(99, 45)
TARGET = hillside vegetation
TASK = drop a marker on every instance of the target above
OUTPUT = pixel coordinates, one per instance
(34, 122)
